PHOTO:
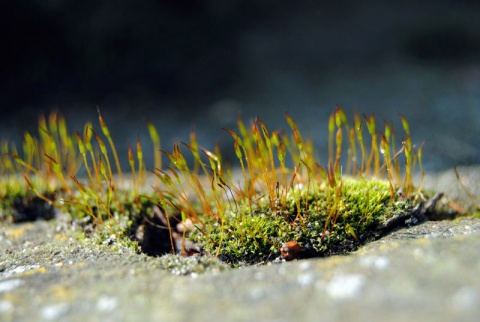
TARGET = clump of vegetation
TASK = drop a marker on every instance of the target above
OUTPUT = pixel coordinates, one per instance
(280, 193)
(323, 209)
(45, 170)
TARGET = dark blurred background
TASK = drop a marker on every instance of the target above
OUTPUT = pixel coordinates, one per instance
(186, 63)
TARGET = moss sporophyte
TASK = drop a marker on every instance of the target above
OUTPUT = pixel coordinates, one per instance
(280, 202)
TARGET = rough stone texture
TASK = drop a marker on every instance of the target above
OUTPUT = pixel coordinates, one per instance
(424, 273)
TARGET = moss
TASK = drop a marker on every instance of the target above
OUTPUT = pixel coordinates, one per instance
(328, 225)
(283, 194)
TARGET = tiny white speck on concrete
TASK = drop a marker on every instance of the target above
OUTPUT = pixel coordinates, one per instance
(305, 279)
(282, 270)
(377, 262)
(10, 285)
(259, 276)
(107, 304)
(54, 312)
(304, 265)
(6, 307)
(257, 293)
(465, 298)
(344, 287)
